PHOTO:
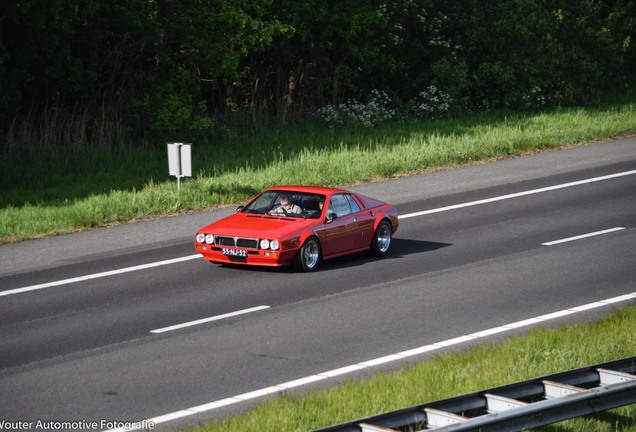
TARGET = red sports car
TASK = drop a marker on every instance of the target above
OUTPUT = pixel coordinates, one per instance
(299, 225)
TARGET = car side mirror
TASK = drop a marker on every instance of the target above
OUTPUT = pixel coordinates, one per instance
(239, 208)
(331, 217)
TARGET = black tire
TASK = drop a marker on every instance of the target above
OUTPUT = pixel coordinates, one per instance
(381, 239)
(310, 255)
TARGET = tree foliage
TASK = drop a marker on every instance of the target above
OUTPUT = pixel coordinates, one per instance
(106, 72)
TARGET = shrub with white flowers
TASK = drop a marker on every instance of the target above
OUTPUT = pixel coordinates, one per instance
(376, 110)
(432, 102)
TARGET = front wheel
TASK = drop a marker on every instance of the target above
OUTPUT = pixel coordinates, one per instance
(381, 239)
(310, 255)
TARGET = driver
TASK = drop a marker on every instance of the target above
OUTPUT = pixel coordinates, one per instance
(285, 206)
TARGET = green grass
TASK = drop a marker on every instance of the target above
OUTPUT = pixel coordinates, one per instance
(64, 193)
(541, 352)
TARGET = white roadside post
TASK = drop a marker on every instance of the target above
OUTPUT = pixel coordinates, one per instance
(179, 161)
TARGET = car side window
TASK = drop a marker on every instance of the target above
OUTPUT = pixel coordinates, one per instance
(340, 205)
(353, 204)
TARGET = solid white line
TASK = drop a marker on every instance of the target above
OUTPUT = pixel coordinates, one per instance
(405, 216)
(569, 239)
(518, 194)
(378, 361)
(213, 405)
(97, 275)
(301, 382)
(210, 319)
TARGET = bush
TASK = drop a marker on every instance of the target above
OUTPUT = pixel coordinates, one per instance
(432, 103)
(376, 110)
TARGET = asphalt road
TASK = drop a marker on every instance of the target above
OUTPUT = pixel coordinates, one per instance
(85, 318)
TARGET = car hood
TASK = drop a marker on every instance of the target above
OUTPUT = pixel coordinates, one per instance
(257, 226)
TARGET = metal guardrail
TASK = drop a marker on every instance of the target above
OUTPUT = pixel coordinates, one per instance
(515, 407)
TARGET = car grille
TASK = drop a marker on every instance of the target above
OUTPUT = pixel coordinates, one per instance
(247, 243)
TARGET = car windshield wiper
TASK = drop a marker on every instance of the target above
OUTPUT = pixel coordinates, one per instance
(287, 215)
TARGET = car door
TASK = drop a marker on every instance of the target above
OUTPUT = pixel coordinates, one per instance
(341, 233)
(364, 223)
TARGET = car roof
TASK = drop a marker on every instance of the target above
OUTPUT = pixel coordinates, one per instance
(309, 189)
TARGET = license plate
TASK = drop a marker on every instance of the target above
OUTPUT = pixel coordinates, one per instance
(234, 252)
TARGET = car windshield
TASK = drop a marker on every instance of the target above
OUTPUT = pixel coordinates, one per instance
(286, 203)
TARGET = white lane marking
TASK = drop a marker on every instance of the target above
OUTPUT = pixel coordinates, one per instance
(98, 275)
(518, 194)
(210, 406)
(210, 319)
(582, 236)
(405, 216)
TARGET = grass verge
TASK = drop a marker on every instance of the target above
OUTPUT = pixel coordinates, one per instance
(540, 352)
(63, 193)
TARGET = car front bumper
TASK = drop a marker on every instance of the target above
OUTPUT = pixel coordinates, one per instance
(252, 257)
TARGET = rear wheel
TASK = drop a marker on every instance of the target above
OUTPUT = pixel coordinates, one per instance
(381, 239)
(310, 255)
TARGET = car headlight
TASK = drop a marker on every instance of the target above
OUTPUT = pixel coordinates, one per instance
(264, 244)
(274, 244)
(209, 239)
(200, 238)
